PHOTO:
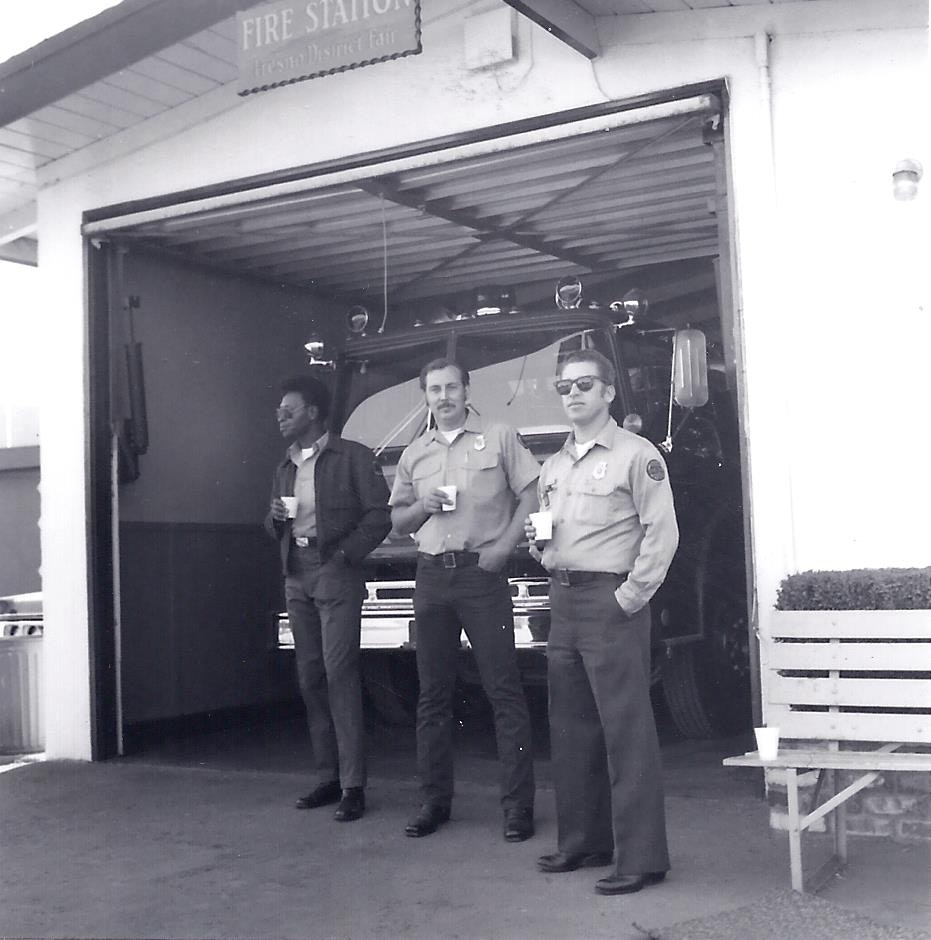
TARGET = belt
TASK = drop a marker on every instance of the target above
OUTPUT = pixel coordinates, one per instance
(301, 541)
(568, 578)
(449, 559)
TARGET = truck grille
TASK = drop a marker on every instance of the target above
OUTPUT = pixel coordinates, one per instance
(388, 615)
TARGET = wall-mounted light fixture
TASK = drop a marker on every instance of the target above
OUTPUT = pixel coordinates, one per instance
(905, 177)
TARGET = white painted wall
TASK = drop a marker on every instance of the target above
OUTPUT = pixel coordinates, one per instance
(856, 289)
(831, 282)
(214, 350)
(63, 520)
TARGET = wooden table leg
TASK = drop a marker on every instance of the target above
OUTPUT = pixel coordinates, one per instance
(795, 831)
(840, 825)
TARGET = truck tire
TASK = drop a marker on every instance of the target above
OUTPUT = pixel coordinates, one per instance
(683, 699)
(706, 684)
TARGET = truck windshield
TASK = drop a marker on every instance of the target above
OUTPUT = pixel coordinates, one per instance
(511, 381)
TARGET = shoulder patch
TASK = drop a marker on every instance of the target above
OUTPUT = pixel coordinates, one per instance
(656, 470)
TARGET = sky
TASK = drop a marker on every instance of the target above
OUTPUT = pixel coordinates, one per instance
(19, 323)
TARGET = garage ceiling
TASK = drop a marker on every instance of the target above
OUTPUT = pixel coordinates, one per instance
(636, 196)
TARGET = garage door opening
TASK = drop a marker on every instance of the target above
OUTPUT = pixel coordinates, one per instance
(210, 302)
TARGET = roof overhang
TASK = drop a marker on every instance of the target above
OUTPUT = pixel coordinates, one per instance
(101, 46)
(20, 251)
(566, 20)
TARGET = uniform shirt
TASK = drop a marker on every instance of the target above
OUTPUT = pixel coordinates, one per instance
(305, 522)
(612, 511)
(489, 466)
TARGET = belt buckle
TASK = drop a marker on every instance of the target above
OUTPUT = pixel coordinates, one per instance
(562, 576)
(302, 541)
(449, 559)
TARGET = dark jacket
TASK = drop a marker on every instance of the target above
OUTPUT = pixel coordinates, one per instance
(352, 502)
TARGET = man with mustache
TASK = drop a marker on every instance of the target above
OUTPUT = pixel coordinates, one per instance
(464, 544)
(341, 514)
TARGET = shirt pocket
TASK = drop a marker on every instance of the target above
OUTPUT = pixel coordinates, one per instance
(484, 477)
(598, 502)
(427, 475)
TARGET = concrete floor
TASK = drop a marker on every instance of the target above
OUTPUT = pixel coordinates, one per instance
(198, 838)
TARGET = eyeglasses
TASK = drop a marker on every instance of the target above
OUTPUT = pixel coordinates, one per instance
(287, 413)
(585, 383)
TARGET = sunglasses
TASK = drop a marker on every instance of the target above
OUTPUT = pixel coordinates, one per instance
(585, 383)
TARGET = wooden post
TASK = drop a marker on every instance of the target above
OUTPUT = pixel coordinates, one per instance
(840, 825)
(795, 833)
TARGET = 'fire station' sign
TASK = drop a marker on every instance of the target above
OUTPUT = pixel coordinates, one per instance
(285, 42)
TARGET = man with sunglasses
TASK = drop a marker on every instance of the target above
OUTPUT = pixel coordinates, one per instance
(464, 545)
(613, 538)
(339, 513)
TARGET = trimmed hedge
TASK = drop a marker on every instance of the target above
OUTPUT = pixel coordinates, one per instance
(865, 589)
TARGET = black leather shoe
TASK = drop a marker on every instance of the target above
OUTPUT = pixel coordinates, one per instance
(430, 817)
(321, 795)
(628, 884)
(559, 862)
(351, 806)
(518, 825)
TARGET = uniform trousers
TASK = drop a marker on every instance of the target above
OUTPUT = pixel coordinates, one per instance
(604, 747)
(447, 601)
(324, 604)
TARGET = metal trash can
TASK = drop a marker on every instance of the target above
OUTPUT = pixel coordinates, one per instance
(21, 727)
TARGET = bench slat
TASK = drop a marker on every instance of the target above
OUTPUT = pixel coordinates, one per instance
(893, 657)
(849, 726)
(884, 693)
(851, 624)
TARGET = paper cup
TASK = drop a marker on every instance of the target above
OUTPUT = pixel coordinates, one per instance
(767, 742)
(542, 523)
(290, 503)
(450, 491)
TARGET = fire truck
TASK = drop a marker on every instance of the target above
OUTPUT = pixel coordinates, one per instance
(665, 392)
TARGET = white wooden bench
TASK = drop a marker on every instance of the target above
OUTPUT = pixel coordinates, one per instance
(849, 691)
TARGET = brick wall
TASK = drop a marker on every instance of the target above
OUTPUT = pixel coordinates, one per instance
(896, 806)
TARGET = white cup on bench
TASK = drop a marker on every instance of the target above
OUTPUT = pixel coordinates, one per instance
(767, 742)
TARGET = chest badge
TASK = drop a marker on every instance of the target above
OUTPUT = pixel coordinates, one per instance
(600, 470)
(480, 442)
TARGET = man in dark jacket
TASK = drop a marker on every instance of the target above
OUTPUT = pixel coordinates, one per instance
(329, 509)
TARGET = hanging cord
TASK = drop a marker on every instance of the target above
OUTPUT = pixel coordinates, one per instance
(384, 255)
(667, 444)
(520, 381)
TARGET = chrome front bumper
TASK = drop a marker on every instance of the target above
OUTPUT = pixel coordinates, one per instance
(388, 616)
